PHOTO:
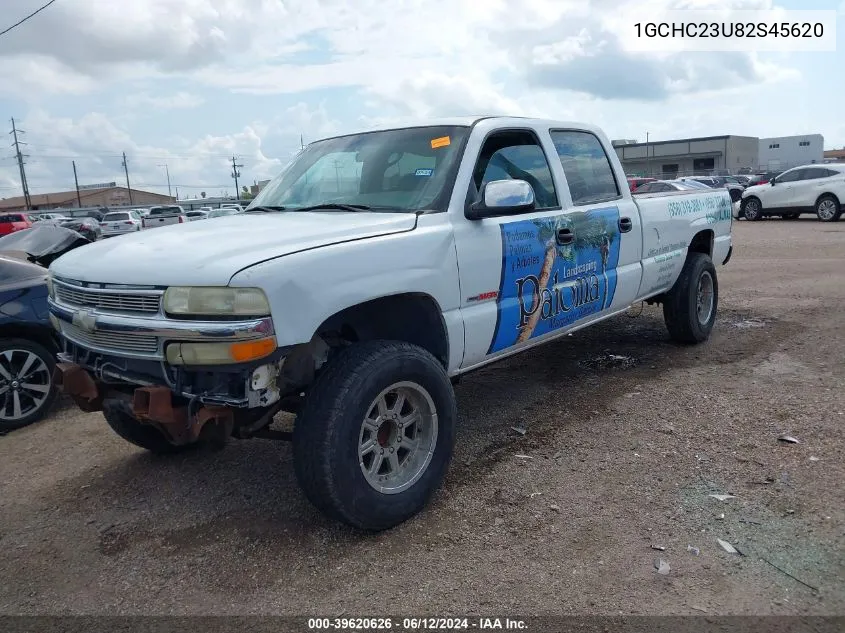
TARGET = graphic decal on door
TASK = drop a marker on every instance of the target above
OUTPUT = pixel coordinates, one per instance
(546, 285)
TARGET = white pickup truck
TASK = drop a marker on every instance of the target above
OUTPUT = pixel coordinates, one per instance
(163, 216)
(362, 282)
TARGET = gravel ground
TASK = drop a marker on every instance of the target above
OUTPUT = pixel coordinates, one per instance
(627, 436)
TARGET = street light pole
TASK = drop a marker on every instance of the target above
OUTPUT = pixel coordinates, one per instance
(647, 156)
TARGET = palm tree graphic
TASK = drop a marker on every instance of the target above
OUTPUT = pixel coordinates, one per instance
(591, 230)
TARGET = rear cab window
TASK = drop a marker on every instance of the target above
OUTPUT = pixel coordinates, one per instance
(586, 166)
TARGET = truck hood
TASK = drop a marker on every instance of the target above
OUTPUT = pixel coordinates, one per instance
(210, 252)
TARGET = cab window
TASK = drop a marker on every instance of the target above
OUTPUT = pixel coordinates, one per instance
(588, 170)
(516, 155)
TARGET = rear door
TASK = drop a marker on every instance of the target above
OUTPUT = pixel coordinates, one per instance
(605, 221)
(814, 182)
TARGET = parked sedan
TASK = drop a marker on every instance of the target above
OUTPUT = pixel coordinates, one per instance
(219, 213)
(28, 342)
(52, 218)
(634, 182)
(818, 189)
(120, 222)
(12, 222)
(660, 186)
(87, 227)
(198, 214)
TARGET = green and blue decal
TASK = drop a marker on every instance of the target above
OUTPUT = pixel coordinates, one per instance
(545, 285)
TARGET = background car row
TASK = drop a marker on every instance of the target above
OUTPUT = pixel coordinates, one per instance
(817, 189)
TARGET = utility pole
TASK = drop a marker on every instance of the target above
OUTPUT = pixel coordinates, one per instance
(76, 181)
(337, 174)
(236, 174)
(20, 157)
(647, 156)
(167, 171)
(126, 171)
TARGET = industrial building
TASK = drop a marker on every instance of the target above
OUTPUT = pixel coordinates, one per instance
(783, 152)
(835, 156)
(105, 195)
(681, 157)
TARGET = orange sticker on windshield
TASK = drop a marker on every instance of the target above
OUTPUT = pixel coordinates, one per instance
(443, 141)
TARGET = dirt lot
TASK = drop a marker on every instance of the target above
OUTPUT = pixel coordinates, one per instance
(627, 435)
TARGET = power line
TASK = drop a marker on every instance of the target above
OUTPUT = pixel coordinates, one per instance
(39, 10)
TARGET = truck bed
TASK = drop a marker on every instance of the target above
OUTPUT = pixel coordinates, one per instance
(676, 213)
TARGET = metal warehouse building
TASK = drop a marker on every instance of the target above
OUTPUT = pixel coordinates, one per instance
(682, 157)
(782, 152)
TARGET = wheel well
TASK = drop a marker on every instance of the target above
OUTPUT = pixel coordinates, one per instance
(410, 317)
(702, 242)
(41, 335)
(828, 195)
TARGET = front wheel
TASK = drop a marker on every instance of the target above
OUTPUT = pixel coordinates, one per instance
(827, 209)
(690, 307)
(26, 382)
(374, 439)
(119, 416)
(752, 209)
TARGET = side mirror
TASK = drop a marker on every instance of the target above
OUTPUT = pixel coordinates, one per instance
(502, 197)
(772, 182)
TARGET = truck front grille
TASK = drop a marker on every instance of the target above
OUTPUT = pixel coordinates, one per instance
(112, 341)
(118, 302)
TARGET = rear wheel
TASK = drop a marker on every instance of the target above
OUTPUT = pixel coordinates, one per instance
(26, 382)
(690, 307)
(374, 439)
(827, 209)
(752, 209)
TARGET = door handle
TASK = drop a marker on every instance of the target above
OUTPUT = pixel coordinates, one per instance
(565, 236)
(625, 225)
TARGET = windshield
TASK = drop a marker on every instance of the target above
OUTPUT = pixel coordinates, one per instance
(399, 170)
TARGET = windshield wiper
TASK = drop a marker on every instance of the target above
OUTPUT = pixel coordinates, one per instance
(267, 209)
(334, 206)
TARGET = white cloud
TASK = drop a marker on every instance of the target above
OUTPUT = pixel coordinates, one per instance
(564, 59)
(177, 101)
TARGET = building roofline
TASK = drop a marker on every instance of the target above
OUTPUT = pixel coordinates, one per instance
(685, 140)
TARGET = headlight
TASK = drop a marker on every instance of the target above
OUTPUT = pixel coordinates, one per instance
(220, 353)
(50, 292)
(216, 301)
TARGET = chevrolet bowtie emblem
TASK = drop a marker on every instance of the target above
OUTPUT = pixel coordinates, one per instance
(85, 320)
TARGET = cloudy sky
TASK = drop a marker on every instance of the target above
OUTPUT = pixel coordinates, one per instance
(190, 83)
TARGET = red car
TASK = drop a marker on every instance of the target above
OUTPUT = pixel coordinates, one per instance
(11, 222)
(634, 182)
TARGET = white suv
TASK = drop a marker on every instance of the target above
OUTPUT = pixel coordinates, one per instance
(818, 189)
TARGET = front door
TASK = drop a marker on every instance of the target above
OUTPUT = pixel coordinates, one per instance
(782, 194)
(534, 275)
